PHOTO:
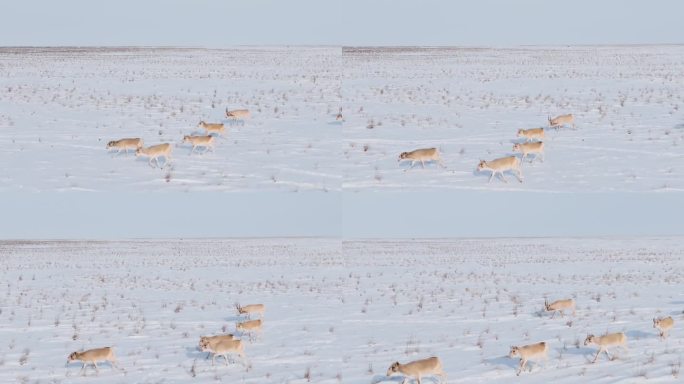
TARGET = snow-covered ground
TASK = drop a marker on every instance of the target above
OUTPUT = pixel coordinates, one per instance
(152, 300)
(470, 102)
(343, 311)
(59, 108)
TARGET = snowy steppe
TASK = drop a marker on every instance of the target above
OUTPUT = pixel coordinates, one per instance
(339, 311)
(60, 106)
(470, 102)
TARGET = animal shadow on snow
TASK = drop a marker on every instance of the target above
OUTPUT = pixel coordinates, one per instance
(616, 353)
(115, 154)
(195, 353)
(504, 361)
(518, 140)
(510, 176)
(395, 379)
(587, 353)
(106, 369)
(406, 166)
(530, 160)
(513, 363)
(635, 335)
(231, 122)
(188, 147)
(247, 337)
(163, 164)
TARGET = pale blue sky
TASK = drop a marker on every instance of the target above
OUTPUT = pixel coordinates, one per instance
(82, 215)
(220, 23)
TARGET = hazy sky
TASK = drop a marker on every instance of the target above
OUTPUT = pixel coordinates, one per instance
(82, 215)
(345, 22)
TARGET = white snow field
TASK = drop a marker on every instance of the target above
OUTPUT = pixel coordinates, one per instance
(59, 107)
(339, 312)
(152, 300)
(628, 103)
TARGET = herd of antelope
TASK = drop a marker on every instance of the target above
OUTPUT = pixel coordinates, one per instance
(206, 141)
(533, 145)
(218, 345)
(227, 344)
(539, 350)
(532, 352)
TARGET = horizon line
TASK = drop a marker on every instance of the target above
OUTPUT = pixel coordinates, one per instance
(343, 239)
(482, 46)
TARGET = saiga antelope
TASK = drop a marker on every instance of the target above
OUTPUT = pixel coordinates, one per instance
(207, 142)
(250, 309)
(125, 144)
(422, 155)
(529, 134)
(92, 356)
(560, 306)
(536, 148)
(530, 352)
(663, 325)
(155, 152)
(501, 165)
(238, 114)
(223, 348)
(417, 369)
(562, 120)
(603, 342)
(210, 128)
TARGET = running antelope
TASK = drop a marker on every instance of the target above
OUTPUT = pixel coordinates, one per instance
(238, 114)
(207, 142)
(536, 351)
(251, 327)
(663, 325)
(501, 165)
(214, 339)
(560, 306)
(530, 134)
(250, 309)
(603, 342)
(422, 155)
(125, 144)
(223, 348)
(210, 128)
(537, 148)
(92, 356)
(155, 152)
(419, 368)
(562, 120)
